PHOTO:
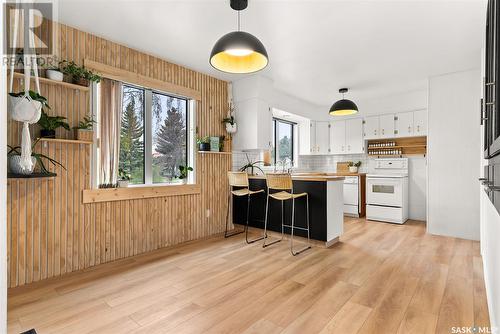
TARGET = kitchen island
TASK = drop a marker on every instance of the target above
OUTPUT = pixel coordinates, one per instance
(325, 207)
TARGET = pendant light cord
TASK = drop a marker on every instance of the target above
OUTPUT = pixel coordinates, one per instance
(239, 20)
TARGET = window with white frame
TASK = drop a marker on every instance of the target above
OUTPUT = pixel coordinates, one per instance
(154, 136)
(283, 140)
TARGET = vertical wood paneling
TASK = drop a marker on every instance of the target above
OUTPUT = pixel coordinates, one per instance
(52, 233)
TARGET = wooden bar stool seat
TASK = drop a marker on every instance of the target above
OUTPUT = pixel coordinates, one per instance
(240, 180)
(283, 186)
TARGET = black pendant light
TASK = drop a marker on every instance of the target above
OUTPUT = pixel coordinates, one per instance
(343, 107)
(239, 51)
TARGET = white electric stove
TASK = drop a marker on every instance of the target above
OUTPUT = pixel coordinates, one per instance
(387, 190)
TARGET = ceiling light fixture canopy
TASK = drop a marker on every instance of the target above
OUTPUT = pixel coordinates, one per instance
(343, 107)
(239, 51)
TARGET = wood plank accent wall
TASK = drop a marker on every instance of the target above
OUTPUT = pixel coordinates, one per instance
(52, 232)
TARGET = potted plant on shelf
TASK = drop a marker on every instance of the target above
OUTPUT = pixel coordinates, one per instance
(14, 155)
(49, 124)
(183, 173)
(230, 124)
(250, 166)
(123, 178)
(353, 167)
(54, 72)
(84, 130)
(203, 143)
(79, 74)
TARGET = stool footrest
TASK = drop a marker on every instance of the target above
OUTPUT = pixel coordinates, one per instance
(296, 227)
(227, 235)
(300, 250)
(271, 243)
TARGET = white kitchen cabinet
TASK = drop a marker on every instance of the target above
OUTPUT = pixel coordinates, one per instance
(354, 136)
(322, 137)
(371, 130)
(386, 126)
(254, 125)
(338, 137)
(404, 124)
(420, 123)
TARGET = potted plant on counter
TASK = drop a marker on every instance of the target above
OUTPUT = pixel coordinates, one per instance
(183, 173)
(123, 178)
(203, 143)
(230, 124)
(250, 166)
(49, 124)
(84, 130)
(353, 167)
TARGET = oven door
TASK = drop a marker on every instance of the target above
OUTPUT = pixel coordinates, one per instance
(384, 191)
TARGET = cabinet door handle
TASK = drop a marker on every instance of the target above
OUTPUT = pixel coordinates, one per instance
(348, 147)
(383, 131)
(375, 132)
(342, 148)
(418, 128)
(409, 128)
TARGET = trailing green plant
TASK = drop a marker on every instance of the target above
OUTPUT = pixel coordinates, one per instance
(47, 122)
(122, 175)
(16, 150)
(352, 164)
(183, 171)
(87, 123)
(221, 143)
(229, 120)
(108, 185)
(35, 97)
(357, 164)
(251, 165)
(78, 72)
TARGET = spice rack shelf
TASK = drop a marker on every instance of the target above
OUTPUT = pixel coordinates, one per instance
(18, 75)
(407, 146)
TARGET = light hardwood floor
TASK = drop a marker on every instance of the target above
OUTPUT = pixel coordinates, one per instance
(381, 278)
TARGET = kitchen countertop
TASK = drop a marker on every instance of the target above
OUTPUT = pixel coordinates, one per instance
(328, 174)
(317, 177)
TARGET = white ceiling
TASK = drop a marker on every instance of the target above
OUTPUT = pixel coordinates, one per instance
(376, 48)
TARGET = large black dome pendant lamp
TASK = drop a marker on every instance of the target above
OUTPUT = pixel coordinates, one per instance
(239, 51)
(343, 107)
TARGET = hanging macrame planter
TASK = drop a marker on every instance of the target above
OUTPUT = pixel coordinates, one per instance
(23, 108)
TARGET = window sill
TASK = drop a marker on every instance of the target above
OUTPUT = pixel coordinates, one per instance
(138, 192)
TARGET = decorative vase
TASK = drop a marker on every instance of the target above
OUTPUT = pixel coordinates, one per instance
(47, 133)
(204, 147)
(15, 165)
(83, 134)
(353, 169)
(231, 128)
(55, 75)
(123, 183)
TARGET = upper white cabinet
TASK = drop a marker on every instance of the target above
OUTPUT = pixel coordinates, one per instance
(337, 137)
(254, 125)
(404, 124)
(346, 137)
(420, 123)
(354, 136)
(371, 130)
(322, 137)
(314, 138)
(386, 126)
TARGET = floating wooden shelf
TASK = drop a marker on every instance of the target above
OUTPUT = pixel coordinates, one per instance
(31, 176)
(408, 146)
(66, 141)
(211, 152)
(54, 82)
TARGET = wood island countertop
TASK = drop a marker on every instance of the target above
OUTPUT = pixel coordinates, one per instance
(316, 177)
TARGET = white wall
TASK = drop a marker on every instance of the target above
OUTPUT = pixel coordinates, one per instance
(453, 162)
(3, 193)
(490, 251)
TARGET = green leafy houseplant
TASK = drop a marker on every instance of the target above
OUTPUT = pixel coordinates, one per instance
(183, 172)
(353, 167)
(35, 97)
(250, 166)
(79, 74)
(123, 178)
(230, 124)
(228, 120)
(16, 151)
(49, 124)
(83, 131)
(203, 143)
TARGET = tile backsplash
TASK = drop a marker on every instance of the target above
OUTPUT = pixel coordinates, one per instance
(323, 163)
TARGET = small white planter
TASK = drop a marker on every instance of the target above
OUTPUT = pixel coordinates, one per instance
(353, 169)
(55, 75)
(15, 165)
(231, 128)
(23, 109)
(123, 183)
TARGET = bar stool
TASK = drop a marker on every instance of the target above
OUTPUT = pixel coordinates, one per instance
(283, 185)
(240, 179)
